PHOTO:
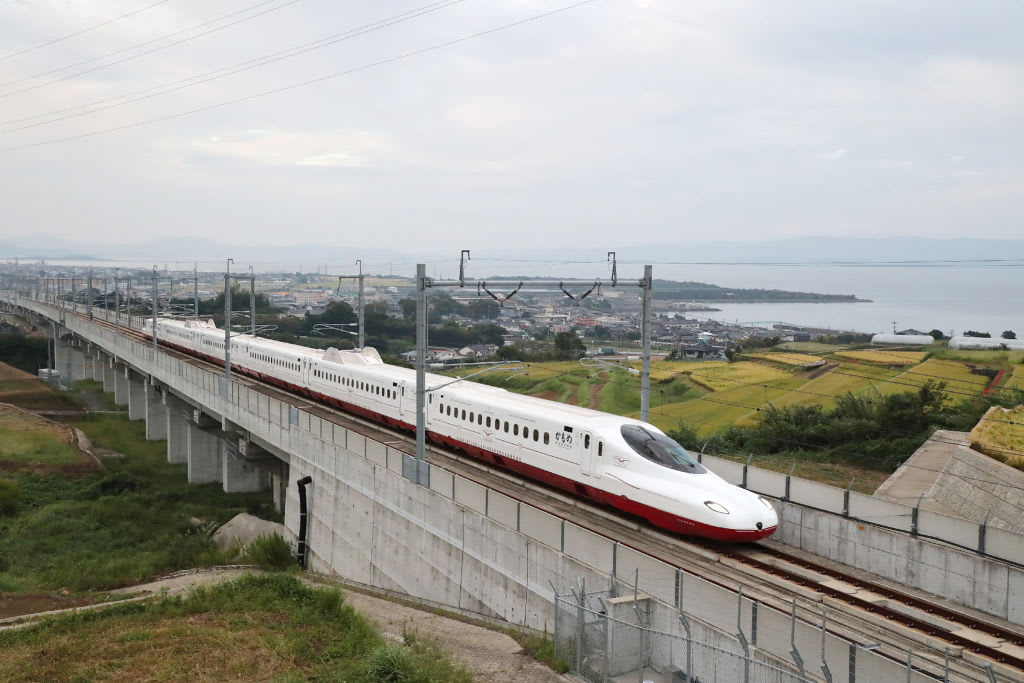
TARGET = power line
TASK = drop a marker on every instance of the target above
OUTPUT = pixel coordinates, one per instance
(84, 30)
(312, 81)
(143, 44)
(200, 79)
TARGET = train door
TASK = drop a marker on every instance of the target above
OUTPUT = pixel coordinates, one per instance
(587, 456)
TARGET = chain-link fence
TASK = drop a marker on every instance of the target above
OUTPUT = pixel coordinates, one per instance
(607, 638)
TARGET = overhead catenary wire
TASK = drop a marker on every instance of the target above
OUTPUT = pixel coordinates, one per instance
(143, 44)
(82, 31)
(201, 79)
(301, 84)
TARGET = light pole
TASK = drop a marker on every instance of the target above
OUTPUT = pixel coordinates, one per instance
(227, 320)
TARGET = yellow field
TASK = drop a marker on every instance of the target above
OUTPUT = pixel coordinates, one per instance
(720, 409)
(1000, 434)
(884, 357)
(823, 390)
(790, 358)
(729, 376)
(960, 382)
(664, 369)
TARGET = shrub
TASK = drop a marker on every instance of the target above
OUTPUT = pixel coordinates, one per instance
(269, 552)
(10, 497)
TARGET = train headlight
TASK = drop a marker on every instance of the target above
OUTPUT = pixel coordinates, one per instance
(717, 507)
(767, 503)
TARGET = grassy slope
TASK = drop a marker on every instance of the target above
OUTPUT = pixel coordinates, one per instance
(255, 628)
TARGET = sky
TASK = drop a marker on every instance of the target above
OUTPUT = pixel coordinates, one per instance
(500, 125)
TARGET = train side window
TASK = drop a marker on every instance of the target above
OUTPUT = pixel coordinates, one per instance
(536, 434)
(586, 440)
(488, 421)
(526, 432)
(506, 426)
(480, 418)
(515, 430)
(547, 438)
(600, 448)
(449, 410)
(471, 415)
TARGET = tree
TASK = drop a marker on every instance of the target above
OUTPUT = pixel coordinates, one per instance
(1009, 334)
(408, 306)
(974, 333)
(937, 334)
(568, 346)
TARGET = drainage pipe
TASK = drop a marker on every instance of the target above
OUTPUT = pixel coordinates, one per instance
(301, 551)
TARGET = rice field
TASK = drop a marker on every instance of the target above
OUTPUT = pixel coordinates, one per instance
(884, 357)
(960, 382)
(787, 358)
(712, 395)
(1000, 434)
(812, 347)
(732, 375)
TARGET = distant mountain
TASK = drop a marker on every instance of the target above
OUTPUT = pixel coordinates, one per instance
(792, 250)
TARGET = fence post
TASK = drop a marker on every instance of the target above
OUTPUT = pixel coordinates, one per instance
(913, 517)
(789, 477)
(745, 466)
(582, 581)
(825, 671)
(685, 623)
(742, 638)
(846, 498)
(982, 530)
(793, 651)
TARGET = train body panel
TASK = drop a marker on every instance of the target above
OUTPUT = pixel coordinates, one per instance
(614, 460)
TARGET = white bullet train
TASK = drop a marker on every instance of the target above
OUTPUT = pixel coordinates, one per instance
(624, 463)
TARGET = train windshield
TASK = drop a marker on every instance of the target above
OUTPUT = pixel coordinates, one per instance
(660, 449)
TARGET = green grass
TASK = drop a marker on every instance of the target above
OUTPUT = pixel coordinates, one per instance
(823, 390)
(254, 628)
(114, 526)
(25, 439)
(720, 409)
(812, 347)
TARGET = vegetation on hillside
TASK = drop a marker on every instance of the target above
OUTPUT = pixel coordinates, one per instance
(268, 627)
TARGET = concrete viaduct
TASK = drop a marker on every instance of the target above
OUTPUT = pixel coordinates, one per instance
(459, 545)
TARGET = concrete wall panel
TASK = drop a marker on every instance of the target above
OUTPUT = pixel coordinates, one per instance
(470, 494)
(357, 444)
(872, 667)
(950, 529)
(541, 526)
(589, 548)
(712, 604)
(880, 511)
(731, 471)
(394, 460)
(375, 450)
(766, 482)
(816, 495)
(657, 578)
(773, 631)
(1005, 544)
(378, 456)
(503, 509)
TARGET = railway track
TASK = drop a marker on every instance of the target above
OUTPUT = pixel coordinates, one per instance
(874, 613)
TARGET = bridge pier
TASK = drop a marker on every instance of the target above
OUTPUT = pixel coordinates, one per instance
(136, 395)
(121, 382)
(177, 428)
(99, 362)
(109, 375)
(156, 412)
(204, 454)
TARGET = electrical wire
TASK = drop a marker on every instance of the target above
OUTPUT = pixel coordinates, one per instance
(301, 84)
(200, 79)
(143, 44)
(82, 31)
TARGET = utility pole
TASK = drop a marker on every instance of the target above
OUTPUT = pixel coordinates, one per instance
(88, 293)
(156, 309)
(361, 307)
(128, 296)
(645, 334)
(227, 320)
(117, 303)
(74, 299)
(252, 300)
(421, 369)
(195, 289)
